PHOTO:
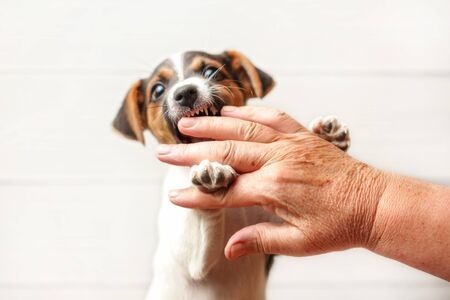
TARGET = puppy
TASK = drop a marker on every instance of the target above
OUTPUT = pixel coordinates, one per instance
(189, 262)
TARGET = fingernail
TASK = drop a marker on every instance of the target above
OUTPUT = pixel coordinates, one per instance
(173, 194)
(228, 108)
(187, 122)
(237, 250)
(163, 149)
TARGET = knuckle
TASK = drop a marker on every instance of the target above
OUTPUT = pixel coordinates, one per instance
(260, 245)
(227, 152)
(279, 115)
(278, 137)
(249, 131)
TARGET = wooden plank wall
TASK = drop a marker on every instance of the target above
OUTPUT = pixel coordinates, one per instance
(78, 203)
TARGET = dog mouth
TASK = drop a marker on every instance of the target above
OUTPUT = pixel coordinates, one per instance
(204, 110)
(207, 109)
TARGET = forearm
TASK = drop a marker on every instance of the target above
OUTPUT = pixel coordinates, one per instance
(412, 225)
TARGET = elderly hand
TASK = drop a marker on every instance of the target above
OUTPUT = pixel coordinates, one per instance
(327, 199)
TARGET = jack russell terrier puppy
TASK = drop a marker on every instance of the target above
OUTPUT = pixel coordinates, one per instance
(189, 262)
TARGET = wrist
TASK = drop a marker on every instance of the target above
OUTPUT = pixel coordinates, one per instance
(381, 216)
(393, 212)
(369, 186)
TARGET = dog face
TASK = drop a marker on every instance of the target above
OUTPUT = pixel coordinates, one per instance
(188, 84)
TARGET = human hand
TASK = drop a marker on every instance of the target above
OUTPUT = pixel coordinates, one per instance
(327, 200)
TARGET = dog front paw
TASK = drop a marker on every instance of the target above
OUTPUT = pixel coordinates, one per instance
(331, 129)
(210, 177)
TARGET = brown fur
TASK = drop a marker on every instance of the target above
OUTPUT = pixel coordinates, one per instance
(156, 122)
(242, 80)
(252, 78)
(129, 118)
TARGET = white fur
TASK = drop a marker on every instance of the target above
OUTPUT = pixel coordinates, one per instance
(177, 60)
(189, 262)
(203, 90)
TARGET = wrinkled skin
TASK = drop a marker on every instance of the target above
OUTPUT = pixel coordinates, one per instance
(326, 200)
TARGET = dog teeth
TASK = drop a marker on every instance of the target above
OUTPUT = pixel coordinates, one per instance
(205, 110)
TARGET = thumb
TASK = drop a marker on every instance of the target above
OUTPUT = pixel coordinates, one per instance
(268, 238)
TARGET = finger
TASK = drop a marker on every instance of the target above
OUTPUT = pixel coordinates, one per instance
(270, 117)
(225, 128)
(242, 156)
(268, 238)
(240, 193)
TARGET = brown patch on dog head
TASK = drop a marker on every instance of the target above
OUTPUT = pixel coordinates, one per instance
(241, 80)
(255, 82)
(139, 112)
(227, 89)
(158, 125)
(129, 119)
(156, 122)
(232, 93)
(198, 62)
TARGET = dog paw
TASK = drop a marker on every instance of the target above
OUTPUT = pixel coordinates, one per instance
(331, 129)
(210, 177)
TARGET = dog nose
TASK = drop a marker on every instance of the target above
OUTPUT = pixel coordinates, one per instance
(186, 95)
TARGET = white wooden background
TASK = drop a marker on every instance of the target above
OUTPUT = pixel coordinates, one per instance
(78, 203)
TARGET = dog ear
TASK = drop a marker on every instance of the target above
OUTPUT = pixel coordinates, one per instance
(130, 118)
(260, 82)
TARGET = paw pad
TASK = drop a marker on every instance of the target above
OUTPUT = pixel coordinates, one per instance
(331, 129)
(211, 176)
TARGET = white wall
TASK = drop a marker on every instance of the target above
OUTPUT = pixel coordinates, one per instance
(78, 203)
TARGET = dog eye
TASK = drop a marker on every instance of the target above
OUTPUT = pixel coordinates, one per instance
(157, 90)
(211, 72)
